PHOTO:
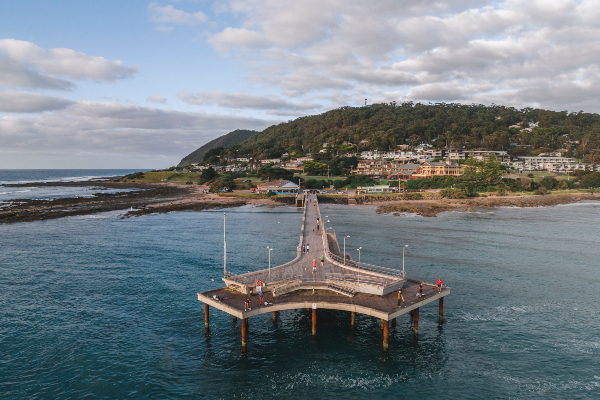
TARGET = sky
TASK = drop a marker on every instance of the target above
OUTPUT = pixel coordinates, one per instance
(141, 84)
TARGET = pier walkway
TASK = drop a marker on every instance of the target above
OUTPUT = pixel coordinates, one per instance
(338, 283)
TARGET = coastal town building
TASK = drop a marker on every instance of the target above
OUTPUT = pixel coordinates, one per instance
(553, 164)
(429, 170)
(380, 167)
(278, 187)
(376, 189)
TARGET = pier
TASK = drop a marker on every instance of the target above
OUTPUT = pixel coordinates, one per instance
(339, 283)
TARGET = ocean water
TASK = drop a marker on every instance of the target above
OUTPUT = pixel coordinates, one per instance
(99, 307)
(15, 176)
(58, 175)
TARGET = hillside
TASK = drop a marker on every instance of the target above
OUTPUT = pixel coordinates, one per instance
(225, 141)
(386, 125)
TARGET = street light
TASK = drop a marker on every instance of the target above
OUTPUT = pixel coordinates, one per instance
(224, 249)
(404, 248)
(345, 249)
(359, 263)
(269, 263)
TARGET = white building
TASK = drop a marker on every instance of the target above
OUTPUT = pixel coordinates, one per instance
(555, 164)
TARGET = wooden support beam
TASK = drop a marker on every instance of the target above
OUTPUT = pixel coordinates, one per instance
(314, 321)
(416, 321)
(206, 320)
(274, 316)
(382, 320)
(244, 331)
(393, 322)
(235, 320)
(352, 318)
(386, 333)
(441, 310)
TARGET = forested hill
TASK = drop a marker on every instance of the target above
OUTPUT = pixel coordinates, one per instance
(386, 125)
(225, 141)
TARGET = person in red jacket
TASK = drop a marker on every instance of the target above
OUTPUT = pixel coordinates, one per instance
(439, 283)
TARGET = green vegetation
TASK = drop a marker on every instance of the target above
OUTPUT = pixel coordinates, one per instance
(162, 176)
(225, 141)
(270, 172)
(384, 126)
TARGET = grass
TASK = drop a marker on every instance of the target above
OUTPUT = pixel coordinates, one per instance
(168, 176)
(253, 195)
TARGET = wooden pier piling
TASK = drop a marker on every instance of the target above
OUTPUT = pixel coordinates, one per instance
(352, 318)
(386, 333)
(314, 321)
(244, 331)
(441, 311)
(274, 316)
(416, 321)
(206, 317)
(393, 322)
(382, 323)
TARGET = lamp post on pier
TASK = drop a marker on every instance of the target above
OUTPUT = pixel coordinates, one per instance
(359, 249)
(404, 248)
(224, 250)
(269, 263)
(345, 249)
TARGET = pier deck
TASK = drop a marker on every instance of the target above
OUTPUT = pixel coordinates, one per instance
(339, 283)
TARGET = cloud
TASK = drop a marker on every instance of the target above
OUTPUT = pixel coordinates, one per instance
(171, 15)
(32, 66)
(157, 99)
(98, 134)
(243, 100)
(527, 52)
(22, 102)
(14, 74)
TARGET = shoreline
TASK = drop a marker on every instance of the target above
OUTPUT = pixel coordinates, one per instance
(156, 198)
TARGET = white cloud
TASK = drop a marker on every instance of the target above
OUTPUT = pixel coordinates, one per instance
(157, 98)
(534, 52)
(171, 15)
(111, 135)
(243, 100)
(64, 63)
(14, 74)
(22, 102)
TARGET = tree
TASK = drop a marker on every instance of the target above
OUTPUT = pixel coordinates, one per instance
(208, 174)
(488, 171)
(315, 168)
(270, 171)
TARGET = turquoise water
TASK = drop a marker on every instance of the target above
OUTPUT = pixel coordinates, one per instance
(100, 307)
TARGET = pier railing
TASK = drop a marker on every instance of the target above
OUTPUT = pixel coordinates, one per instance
(339, 260)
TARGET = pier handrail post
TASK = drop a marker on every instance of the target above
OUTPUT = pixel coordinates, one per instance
(269, 263)
(403, 273)
(345, 249)
(224, 250)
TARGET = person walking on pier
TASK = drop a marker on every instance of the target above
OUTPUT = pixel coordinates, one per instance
(314, 266)
(400, 297)
(322, 262)
(439, 283)
(307, 247)
(261, 298)
(421, 290)
(303, 249)
(247, 305)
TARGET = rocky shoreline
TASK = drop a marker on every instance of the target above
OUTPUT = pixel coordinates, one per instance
(431, 208)
(146, 198)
